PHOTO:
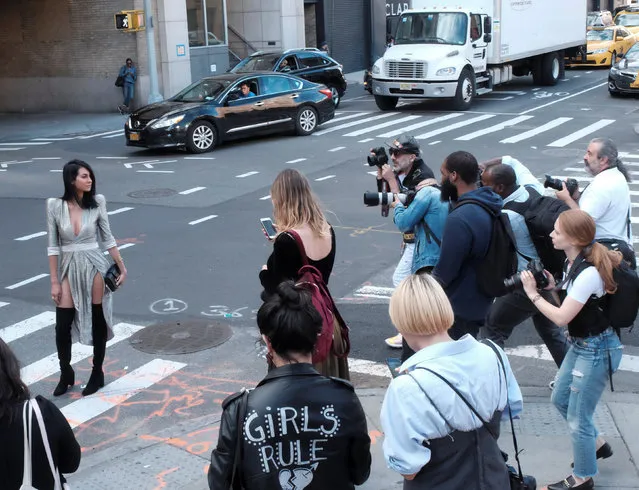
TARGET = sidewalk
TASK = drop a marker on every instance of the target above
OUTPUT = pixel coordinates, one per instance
(25, 127)
(542, 436)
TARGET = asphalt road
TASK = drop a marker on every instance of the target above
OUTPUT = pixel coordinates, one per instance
(191, 238)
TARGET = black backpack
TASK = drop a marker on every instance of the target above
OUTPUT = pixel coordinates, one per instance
(540, 213)
(500, 261)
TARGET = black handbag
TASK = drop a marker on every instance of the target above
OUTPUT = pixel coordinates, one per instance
(111, 277)
(119, 82)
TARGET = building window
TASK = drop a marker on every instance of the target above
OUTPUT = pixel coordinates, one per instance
(205, 19)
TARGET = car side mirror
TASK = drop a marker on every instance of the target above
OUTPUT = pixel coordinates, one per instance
(488, 25)
(488, 38)
(623, 64)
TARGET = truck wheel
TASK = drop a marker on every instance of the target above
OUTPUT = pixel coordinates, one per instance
(386, 103)
(465, 91)
(550, 69)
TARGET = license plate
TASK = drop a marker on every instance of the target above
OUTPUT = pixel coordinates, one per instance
(134, 136)
(404, 86)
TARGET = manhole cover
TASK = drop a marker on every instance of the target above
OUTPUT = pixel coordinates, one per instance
(564, 152)
(152, 193)
(181, 337)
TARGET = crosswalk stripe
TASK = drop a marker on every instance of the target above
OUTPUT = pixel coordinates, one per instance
(28, 326)
(583, 170)
(533, 132)
(48, 365)
(383, 125)
(119, 391)
(566, 140)
(494, 129)
(345, 118)
(422, 124)
(355, 123)
(457, 125)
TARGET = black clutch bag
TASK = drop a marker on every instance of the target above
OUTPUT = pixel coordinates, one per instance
(111, 277)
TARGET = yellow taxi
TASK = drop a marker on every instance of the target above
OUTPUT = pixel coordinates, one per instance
(628, 17)
(605, 45)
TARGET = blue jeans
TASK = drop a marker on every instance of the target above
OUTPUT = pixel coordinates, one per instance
(581, 380)
(128, 90)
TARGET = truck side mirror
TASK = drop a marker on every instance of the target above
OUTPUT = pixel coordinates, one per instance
(488, 38)
(488, 25)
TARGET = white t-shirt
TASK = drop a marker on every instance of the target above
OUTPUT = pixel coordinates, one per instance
(587, 283)
(607, 200)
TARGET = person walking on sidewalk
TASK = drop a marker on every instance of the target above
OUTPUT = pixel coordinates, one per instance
(432, 436)
(129, 74)
(595, 351)
(297, 429)
(77, 266)
(65, 450)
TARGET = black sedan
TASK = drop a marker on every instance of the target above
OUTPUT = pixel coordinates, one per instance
(230, 106)
(624, 75)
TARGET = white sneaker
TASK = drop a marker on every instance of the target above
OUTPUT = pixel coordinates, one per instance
(551, 385)
(394, 342)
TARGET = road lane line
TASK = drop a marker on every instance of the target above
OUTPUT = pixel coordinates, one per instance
(345, 118)
(297, 160)
(27, 327)
(265, 198)
(56, 170)
(121, 247)
(111, 158)
(155, 171)
(366, 140)
(52, 139)
(566, 140)
(533, 132)
(355, 123)
(27, 281)
(29, 237)
(429, 122)
(202, 220)
(119, 391)
(247, 174)
(99, 134)
(46, 158)
(2, 303)
(121, 133)
(337, 148)
(359, 132)
(434, 143)
(191, 191)
(199, 158)
(493, 129)
(324, 178)
(11, 149)
(47, 366)
(119, 210)
(32, 143)
(564, 98)
(457, 125)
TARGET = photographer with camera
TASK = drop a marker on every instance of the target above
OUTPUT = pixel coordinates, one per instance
(514, 308)
(606, 198)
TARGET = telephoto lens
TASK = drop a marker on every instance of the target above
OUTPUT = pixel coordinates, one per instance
(383, 198)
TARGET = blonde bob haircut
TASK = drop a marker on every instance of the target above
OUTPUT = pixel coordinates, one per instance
(419, 306)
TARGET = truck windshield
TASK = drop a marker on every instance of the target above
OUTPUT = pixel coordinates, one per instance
(432, 28)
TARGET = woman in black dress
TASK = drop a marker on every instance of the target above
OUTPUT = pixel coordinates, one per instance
(296, 208)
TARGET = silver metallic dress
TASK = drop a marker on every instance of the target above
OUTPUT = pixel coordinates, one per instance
(80, 259)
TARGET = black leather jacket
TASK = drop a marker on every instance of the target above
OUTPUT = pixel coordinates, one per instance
(301, 430)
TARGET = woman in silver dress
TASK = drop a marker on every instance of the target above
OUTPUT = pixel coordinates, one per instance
(77, 267)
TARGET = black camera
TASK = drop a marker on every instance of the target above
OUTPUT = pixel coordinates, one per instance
(379, 157)
(571, 184)
(383, 198)
(537, 269)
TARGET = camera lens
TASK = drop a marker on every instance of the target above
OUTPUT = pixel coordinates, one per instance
(513, 283)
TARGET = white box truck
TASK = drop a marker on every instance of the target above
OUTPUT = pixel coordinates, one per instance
(458, 49)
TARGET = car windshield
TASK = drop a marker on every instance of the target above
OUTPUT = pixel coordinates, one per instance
(257, 63)
(432, 28)
(627, 20)
(633, 53)
(202, 90)
(599, 35)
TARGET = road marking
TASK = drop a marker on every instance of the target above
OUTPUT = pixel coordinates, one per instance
(583, 170)
(29, 237)
(56, 170)
(566, 140)
(27, 327)
(324, 178)
(191, 191)
(265, 198)
(628, 155)
(371, 173)
(119, 391)
(119, 210)
(451, 127)
(337, 148)
(130, 165)
(541, 129)
(1, 305)
(47, 366)
(429, 122)
(366, 140)
(47, 158)
(493, 129)
(27, 281)
(115, 135)
(489, 97)
(32, 143)
(99, 134)
(359, 132)
(155, 171)
(589, 72)
(120, 247)
(355, 123)
(111, 158)
(247, 174)
(52, 139)
(564, 98)
(344, 118)
(362, 366)
(11, 149)
(202, 220)
(374, 291)
(297, 160)
(199, 158)
(434, 143)
(510, 92)
(14, 162)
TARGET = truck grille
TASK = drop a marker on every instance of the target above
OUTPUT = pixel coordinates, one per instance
(405, 69)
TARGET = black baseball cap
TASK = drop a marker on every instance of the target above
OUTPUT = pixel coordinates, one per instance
(404, 143)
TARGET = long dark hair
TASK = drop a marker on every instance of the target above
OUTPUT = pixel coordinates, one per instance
(289, 320)
(69, 174)
(12, 388)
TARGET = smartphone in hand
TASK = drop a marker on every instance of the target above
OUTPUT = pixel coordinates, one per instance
(269, 228)
(393, 364)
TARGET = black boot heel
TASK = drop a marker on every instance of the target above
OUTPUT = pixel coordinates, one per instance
(67, 380)
(96, 381)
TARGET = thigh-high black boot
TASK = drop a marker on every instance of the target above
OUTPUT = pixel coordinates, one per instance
(99, 331)
(63, 321)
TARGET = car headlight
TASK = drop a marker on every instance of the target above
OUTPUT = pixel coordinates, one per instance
(376, 70)
(600, 51)
(165, 123)
(451, 70)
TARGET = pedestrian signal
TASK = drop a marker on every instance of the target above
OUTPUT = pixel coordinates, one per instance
(130, 20)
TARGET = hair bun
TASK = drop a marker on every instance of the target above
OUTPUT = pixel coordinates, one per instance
(290, 294)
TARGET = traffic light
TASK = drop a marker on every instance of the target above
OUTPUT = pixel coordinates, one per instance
(129, 20)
